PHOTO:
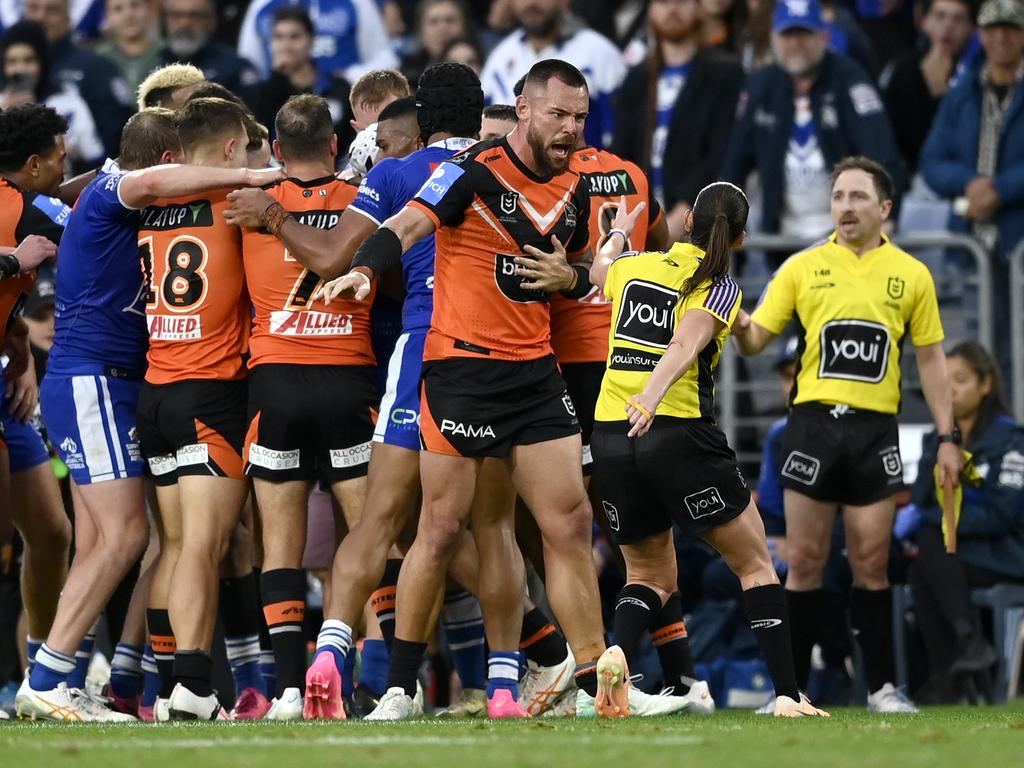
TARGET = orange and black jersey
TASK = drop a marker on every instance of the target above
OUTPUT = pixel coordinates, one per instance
(579, 327)
(196, 307)
(22, 214)
(488, 206)
(287, 327)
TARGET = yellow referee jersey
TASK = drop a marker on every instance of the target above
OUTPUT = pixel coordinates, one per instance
(854, 312)
(644, 291)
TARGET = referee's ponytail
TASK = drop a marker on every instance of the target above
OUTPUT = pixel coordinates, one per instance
(719, 217)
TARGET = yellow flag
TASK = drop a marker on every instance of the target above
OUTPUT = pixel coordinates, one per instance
(969, 475)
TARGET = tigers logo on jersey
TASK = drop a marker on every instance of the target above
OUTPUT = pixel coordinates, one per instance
(646, 314)
(857, 350)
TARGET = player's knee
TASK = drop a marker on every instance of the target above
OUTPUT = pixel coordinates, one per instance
(571, 528)
(440, 535)
(52, 536)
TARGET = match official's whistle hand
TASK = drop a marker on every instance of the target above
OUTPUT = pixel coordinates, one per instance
(640, 411)
(625, 219)
(247, 207)
(541, 271)
(951, 463)
(261, 177)
(33, 251)
(354, 285)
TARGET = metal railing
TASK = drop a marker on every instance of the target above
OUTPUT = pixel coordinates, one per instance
(1017, 329)
(760, 389)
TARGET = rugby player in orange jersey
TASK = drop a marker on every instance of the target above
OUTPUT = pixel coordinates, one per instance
(490, 384)
(311, 391)
(192, 408)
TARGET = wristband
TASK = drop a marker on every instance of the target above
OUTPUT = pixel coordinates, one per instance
(582, 286)
(9, 266)
(379, 251)
(274, 218)
(643, 410)
(625, 239)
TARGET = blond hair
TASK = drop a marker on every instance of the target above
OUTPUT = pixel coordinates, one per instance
(376, 86)
(163, 80)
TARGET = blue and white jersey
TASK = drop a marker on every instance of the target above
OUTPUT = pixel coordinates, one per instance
(350, 37)
(101, 288)
(591, 53)
(86, 15)
(384, 192)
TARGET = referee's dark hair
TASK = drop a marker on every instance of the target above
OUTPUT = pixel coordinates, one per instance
(30, 129)
(565, 72)
(883, 181)
(719, 218)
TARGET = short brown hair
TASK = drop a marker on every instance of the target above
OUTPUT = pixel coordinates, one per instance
(304, 127)
(202, 121)
(145, 138)
(374, 87)
(883, 181)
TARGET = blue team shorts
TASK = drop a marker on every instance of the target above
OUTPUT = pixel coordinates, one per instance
(399, 419)
(25, 446)
(90, 419)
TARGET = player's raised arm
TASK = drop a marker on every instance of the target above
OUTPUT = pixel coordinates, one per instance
(138, 189)
(615, 242)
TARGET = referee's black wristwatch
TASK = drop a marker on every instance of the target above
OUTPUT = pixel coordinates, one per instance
(953, 437)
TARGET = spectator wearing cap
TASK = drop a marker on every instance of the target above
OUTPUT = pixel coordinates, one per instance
(547, 31)
(188, 30)
(801, 116)
(97, 79)
(914, 84)
(295, 72)
(38, 314)
(351, 38)
(974, 153)
(676, 109)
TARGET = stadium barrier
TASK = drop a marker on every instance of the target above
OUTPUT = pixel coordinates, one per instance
(962, 296)
(1017, 329)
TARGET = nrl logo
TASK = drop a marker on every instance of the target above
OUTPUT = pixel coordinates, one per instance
(895, 287)
(509, 202)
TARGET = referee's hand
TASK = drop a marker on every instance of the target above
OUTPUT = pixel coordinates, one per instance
(640, 411)
(951, 463)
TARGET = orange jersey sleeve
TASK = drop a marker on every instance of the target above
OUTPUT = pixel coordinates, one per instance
(489, 206)
(579, 327)
(197, 308)
(287, 326)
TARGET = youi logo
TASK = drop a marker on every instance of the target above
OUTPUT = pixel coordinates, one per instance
(440, 181)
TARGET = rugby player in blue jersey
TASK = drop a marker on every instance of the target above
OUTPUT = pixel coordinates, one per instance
(91, 389)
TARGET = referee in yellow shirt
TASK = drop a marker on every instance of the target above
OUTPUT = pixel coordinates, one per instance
(855, 296)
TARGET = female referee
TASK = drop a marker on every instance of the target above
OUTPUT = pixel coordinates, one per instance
(671, 315)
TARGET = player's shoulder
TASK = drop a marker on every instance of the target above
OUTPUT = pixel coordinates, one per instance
(608, 173)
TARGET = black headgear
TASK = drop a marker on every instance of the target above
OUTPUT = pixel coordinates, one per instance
(449, 99)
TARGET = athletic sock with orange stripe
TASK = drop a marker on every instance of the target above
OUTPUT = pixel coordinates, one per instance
(769, 618)
(586, 678)
(161, 637)
(635, 608)
(383, 601)
(540, 640)
(668, 634)
(284, 608)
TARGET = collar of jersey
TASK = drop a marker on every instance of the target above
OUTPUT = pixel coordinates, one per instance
(312, 182)
(834, 239)
(454, 142)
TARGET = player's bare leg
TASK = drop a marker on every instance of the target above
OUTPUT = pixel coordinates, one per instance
(868, 536)
(39, 515)
(167, 521)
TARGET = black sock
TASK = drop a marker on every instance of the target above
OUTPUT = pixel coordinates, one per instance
(540, 639)
(668, 634)
(586, 678)
(769, 618)
(194, 669)
(240, 605)
(404, 659)
(383, 601)
(284, 607)
(871, 620)
(161, 637)
(635, 608)
(805, 612)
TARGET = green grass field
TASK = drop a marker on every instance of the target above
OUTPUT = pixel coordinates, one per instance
(961, 737)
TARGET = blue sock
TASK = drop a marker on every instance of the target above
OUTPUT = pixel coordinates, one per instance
(464, 629)
(126, 670)
(151, 676)
(32, 645)
(348, 671)
(335, 638)
(373, 673)
(268, 670)
(244, 657)
(82, 658)
(50, 670)
(503, 672)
